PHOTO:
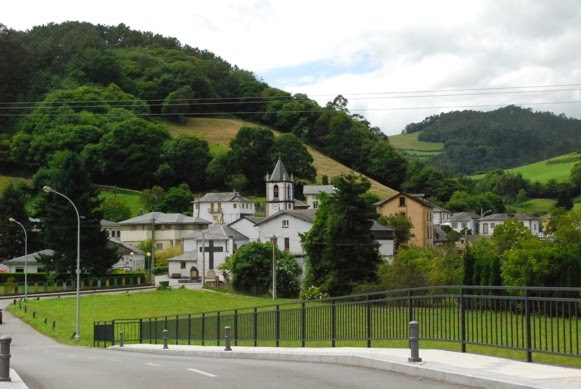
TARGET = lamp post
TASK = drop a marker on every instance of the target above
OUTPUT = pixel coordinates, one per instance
(48, 189)
(25, 257)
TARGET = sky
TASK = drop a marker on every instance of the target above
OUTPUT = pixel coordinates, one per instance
(396, 62)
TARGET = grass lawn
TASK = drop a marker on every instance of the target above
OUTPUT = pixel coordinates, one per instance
(410, 143)
(537, 206)
(122, 306)
(131, 197)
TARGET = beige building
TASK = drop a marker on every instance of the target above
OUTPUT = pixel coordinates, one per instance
(417, 209)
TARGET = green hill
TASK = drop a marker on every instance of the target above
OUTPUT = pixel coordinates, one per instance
(558, 169)
(410, 145)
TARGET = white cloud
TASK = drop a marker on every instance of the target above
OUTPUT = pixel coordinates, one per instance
(365, 47)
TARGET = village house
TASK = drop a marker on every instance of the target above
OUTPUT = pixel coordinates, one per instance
(441, 215)
(164, 229)
(488, 223)
(417, 209)
(131, 258)
(312, 192)
(246, 225)
(204, 251)
(223, 208)
(30, 262)
(464, 221)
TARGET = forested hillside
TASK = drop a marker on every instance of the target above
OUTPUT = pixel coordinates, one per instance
(507, 137)
(106, 92)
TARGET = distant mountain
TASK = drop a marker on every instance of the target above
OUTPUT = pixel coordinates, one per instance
(507, 137)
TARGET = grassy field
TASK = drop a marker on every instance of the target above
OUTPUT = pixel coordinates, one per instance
(130, 197)
(558, 168)
(219, 132)
(410, 144)
(122, 306)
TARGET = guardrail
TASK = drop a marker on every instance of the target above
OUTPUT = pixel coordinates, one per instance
(532, 320)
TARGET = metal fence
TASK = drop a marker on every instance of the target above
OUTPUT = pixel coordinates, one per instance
(58, 286)
(532, 320)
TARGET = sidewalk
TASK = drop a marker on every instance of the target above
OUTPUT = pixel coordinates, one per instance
(446, 366)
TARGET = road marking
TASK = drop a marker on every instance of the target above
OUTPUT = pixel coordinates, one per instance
(152, 364)
(202, 372)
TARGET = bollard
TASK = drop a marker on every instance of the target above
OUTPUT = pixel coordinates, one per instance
(414, 342)
(121, 338)
(164, 339)
(227, 330)
(5, 358)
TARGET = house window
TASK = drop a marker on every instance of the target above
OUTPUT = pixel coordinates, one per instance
(211, 207)
(315, 204)
(285, 224)
(182, 264)
(402, 201)
(235, 205)
(492, 225)
(463, 225)
(286, 244)
(454, 225)
(219, 207)
(275, 191)
(159, 246)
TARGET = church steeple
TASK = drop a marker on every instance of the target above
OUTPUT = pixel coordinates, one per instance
(279, 190)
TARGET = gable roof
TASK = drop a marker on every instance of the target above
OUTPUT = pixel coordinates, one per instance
(163, 218)
(216, 232)
(316, 189)
(191, 256)
(222, 197)
(463, 217)
(252, 219)
(417, 197)
(279, 173)
(307, 215)
(508, 216)
(30, 259)
(126, 246)
(381, 232)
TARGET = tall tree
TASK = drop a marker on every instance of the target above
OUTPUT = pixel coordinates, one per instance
(69, 177)
(12, 205)
(295, 155)
(343, 240)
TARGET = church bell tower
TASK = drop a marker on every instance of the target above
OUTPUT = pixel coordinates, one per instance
(279, 190)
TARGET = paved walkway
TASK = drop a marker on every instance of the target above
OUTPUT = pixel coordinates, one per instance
(447, 366)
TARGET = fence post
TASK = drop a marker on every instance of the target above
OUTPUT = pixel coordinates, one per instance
(5, 358)
(333, 323)
(235, 327)
(255, 330)
(121, 338)
(528, 326)
(369, 330)
(462, 321)
(414, 342)
(165, 339)
(218, 329)
(277, 325)
(227, 338)
(303, 324)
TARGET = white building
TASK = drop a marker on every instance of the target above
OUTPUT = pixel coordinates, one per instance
(463, 221)
(206, 250)
(441, 215)
(312, 192)
(223, 208)
(165, 229)
(30, 261)
(246, 225)
(488, 223)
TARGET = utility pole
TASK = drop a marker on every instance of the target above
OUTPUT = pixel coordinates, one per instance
(152, 249)
(274, 267)
(203, 259)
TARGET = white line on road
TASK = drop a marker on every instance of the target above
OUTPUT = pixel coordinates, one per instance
(152, 364)
(202, 372)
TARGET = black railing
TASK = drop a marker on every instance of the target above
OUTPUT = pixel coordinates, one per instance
(532, 320)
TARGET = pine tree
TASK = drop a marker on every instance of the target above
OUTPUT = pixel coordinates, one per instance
(12, 205)
(68, 176)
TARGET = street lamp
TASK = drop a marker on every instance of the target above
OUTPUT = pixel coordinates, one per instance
(25, 257)
(48, 189)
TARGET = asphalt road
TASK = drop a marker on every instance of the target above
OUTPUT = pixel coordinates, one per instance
(44, 363)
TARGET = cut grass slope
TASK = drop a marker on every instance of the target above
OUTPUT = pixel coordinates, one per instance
(410, 145)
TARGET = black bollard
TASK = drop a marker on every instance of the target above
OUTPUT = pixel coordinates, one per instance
(414, 342)
(5, 358)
